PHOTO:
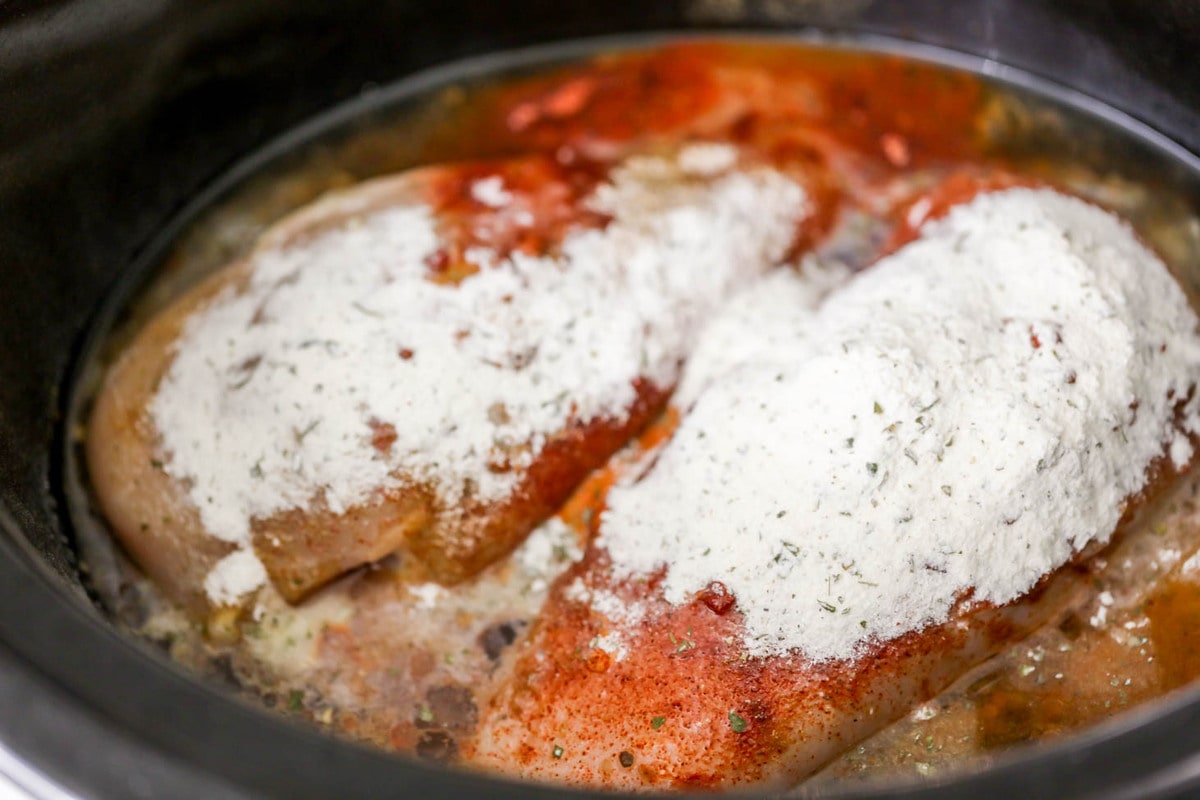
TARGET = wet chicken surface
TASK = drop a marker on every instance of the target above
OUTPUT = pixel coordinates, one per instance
(385, 656)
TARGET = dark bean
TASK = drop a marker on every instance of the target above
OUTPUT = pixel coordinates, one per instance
(496, 637)
(1072, 626)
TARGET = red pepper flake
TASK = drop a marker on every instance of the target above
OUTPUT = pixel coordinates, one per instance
(523, 116)
(565, 101)
(406, 354)
(895, 149)
(438, 261)
(383, 435)
(570, 98)
(1033, 339)
(718, 598)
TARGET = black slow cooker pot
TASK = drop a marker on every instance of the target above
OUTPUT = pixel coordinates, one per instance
(114, 113)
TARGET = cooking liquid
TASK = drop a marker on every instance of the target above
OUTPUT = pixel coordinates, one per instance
(906, 125)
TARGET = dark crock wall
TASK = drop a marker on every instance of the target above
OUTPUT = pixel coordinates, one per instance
(114, 112)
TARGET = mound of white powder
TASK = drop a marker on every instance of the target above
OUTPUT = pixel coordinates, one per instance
(274, 393)
(965, 415)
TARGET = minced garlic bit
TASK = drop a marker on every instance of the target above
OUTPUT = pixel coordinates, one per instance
(966, 414)
(275, 394)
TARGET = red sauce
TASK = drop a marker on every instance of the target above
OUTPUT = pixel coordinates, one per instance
(900, 113)
(546, 202)
(847, 124)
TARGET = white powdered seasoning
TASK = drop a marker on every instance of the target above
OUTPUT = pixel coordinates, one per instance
(274, 394)
(233, 576)
(546, 552)
(965, 415)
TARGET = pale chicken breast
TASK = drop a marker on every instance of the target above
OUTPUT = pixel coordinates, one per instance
(428, 362)
(872, 497)
(151, 511)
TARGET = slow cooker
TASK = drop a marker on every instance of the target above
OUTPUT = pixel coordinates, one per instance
(118, 113)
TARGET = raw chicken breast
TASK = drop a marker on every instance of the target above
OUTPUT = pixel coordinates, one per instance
(871, 497)
(428, 362)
